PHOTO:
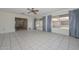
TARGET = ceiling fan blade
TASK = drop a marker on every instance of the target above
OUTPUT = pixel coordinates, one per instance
(37, 10)
(28, 8)
(28, 12)
(32, 8)
(34, 12)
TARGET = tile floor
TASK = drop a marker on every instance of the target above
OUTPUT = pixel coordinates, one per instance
(33, 40)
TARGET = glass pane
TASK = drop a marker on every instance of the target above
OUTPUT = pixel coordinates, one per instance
(60, 24)
(64, 22)
(39, 24)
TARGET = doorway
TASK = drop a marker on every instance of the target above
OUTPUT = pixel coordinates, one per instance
(60, 24)
(20, 24)
(39, 25)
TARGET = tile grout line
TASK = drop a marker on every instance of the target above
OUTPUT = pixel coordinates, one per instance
(60, 43)
(18, 41)
(68, 44)
(10, 42)
(2, 40)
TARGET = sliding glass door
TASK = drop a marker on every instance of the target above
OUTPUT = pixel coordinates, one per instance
(60, 24)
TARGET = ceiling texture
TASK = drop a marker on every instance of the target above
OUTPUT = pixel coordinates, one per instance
(42, 11)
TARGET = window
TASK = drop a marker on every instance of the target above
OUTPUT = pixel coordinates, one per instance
(39, 24)
(61, 22)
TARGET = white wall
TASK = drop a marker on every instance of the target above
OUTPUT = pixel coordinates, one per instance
(30, 22)
(7, 21)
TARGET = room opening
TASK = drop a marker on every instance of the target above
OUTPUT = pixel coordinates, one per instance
(39, 25)
(60, 24)
(20, 24)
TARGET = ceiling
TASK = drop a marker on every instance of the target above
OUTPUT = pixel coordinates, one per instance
(42, 11)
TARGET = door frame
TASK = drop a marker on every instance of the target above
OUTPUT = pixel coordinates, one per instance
(21, 18)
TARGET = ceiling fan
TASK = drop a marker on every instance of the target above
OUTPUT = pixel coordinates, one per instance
(32, 10)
